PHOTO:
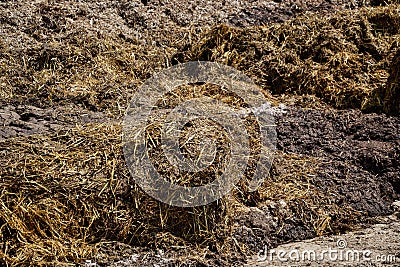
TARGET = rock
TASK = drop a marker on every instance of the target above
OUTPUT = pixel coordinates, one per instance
(396, 206)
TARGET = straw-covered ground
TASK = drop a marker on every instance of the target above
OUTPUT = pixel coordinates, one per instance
(68, 70)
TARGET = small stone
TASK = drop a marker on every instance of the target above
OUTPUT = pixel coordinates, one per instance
(396, 205)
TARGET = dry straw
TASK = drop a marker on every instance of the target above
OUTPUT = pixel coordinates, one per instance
(64, 194)
(342, 58)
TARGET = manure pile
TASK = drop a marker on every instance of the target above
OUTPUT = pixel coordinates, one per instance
(68, 70)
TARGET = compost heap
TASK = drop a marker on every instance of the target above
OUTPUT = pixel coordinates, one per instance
(68, 71)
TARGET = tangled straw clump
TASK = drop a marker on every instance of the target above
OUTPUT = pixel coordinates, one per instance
(62, 194)
(392, 95)
(53, 191)
(341, 58)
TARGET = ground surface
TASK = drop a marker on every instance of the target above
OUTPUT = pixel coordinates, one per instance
(68, 70)
(380, 239)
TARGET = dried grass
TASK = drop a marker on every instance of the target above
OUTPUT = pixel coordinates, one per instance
(99, 73)
(392, 94)
(63, 193)
(342, 58)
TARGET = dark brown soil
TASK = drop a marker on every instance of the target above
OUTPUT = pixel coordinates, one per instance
(360, 154)
(358, 157)
(69, 68)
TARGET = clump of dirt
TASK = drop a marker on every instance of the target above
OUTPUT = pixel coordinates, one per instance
(27, 120)
(362, 146)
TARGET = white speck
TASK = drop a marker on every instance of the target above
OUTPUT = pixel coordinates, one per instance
(282, 203)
